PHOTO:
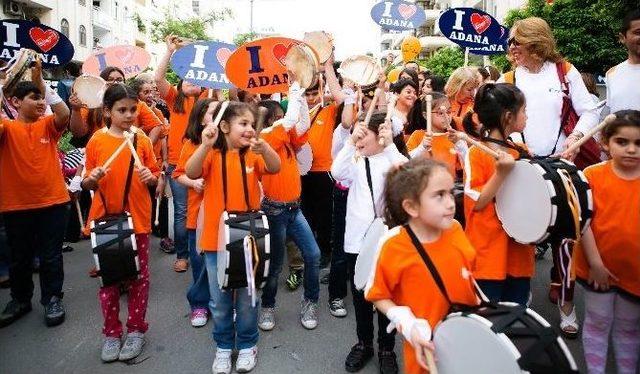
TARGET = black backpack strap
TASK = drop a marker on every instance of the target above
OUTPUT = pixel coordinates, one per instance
(427, 261)
(370, 183)
(245, 187)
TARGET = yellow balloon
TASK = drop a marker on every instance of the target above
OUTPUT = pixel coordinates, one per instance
(410, 48)
(393, 75)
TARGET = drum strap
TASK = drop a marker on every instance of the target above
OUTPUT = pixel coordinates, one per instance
(427, 261)
(522, 153)
(245, 187)
(370, 183)
(127, 185)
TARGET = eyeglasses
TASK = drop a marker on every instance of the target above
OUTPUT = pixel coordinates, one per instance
(116, 80)
(513, 42)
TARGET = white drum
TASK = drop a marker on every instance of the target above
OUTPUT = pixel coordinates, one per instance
(90, 90)
(506, 338)
(366, 260)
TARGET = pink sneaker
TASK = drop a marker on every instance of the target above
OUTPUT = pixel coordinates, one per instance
(199, 317)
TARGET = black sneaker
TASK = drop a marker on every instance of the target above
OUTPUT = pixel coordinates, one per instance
(388, 362)
(13, 311)
(358, 357)
(54, 312)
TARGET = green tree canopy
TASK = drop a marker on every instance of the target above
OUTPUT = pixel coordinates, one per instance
(192, 28)
(240, 39)
(586, 31)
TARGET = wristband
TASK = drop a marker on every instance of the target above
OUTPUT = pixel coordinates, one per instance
(51, 97)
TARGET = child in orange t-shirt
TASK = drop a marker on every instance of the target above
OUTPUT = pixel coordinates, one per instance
(503, 267)
(180, 100)
(419, 201)
(33, 199)
(120, 105)
(237, 147)
(198, 292)
(608, 262)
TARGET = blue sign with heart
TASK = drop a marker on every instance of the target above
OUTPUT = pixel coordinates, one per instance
(55, 49)
(398, 15)
(474, 29)
(203, 63)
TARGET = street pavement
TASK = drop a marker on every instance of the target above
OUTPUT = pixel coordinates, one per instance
(173, 346)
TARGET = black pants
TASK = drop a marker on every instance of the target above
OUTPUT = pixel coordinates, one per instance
(339, 272)
(364, 316)
(74, 231)
(317, 187)
(162, 230)
(36, 232)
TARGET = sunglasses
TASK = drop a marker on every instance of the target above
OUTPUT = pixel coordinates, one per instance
(513, 42)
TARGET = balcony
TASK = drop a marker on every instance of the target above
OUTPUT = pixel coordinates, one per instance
(102, 21)
(41, 4)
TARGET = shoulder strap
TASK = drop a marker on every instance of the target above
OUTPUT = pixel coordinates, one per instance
(370, 183)
(127, 185)
(427, 261)
(521, 152)
(245, 186)
(562, 67)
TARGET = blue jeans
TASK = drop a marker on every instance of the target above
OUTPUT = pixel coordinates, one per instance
(511, 289)
(242, 335)
(179, 193)
(198, 292)
(291, 222)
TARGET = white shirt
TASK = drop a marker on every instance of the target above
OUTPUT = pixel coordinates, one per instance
(348, 170)
(623, 82)
(543, 94)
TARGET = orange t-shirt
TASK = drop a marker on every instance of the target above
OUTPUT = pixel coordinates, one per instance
(214, 202)
(615, 226)
(178, 124)
(284, 186)
(146, 119)
(498, 255)
(100, 147)
(402, 276)
(320, 137)
(442, 149)
(30, 168)
(157, 148)
(193, 198)
(458, 111)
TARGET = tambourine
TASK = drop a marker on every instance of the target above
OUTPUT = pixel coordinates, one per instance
(361, 70)
(321, 42)
(90, 90)
(302, 61)
(19, 69)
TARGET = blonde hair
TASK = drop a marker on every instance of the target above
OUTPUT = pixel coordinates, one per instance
(459, 78)
(535, 35)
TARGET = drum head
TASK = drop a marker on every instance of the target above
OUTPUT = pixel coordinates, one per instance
(523, 203)
(467, 345)
(362, 70)
(90, 90)
(301, 60)
(304, 156)
(321, 42)
(366, 259)
(19, 68)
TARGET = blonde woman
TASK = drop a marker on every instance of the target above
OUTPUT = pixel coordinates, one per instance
(538, 73)
(461, 89)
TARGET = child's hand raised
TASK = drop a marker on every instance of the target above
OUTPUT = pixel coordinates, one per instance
(210, 135)
(75, 102)
(146, 176)
(359, 132)
(385, 134)
(259, 146)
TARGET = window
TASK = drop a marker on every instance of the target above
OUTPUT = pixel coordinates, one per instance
(115, 10)
(82, 2)
(64, 27)
(195, 4)
(83, 36)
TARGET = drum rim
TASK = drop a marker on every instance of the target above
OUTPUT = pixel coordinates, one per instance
(311, 61)
(326, 51)
(358, 281)
(370, 61)
(92, 79)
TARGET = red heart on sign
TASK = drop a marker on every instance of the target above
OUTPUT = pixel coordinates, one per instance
(480, 22)
(280, 52)
(406, 11)
(124, 55)
(223, 55)
(45, 40)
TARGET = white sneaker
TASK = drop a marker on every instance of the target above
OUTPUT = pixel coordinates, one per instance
(222, 362)
(309, 314)
(247, 359)
(267, 319)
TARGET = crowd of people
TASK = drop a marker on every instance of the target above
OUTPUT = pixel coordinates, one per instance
(203, 147)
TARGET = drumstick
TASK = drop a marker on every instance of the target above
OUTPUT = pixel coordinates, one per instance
(115, 154)
(79, 211)
(431, 362)
(372, 106)
(429, 104)
(478, 144)
(574, 147)
(262, 115)
(136, 159)
(157, 221)
(224, 106)
(390, 107)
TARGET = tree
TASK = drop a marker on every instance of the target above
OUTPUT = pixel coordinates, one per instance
(192, 28)
(246, 37)
(586, 31)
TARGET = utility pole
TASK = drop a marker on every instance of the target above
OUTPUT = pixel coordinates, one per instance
(251, 22)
